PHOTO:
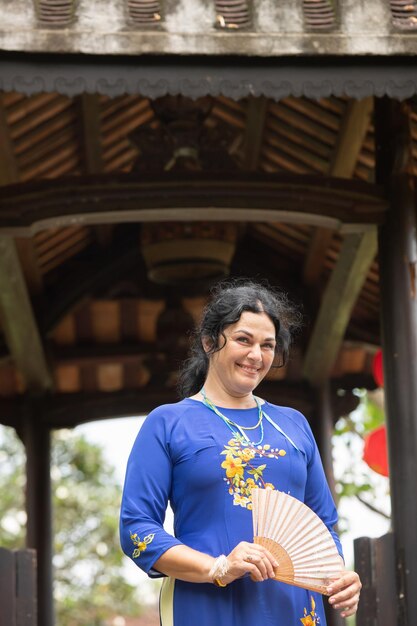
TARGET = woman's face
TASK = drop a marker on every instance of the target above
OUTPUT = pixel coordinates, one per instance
(246, 357)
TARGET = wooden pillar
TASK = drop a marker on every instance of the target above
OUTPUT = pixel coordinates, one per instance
(36, 438)
(398, 283)
(325, 428)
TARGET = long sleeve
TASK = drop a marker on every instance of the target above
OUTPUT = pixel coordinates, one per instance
(145, 495)
(318, 495)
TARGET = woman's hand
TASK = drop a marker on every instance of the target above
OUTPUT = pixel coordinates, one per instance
(249, 558)
(344, 593)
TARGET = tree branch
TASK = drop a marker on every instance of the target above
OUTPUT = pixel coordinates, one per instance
(372, 507)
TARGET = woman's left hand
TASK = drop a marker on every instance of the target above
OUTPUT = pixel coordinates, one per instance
(344, 593)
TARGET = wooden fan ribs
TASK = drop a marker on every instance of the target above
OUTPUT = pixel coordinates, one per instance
(285, 567)
(298, 539)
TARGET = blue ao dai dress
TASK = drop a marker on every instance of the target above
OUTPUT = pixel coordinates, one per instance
(185, 455)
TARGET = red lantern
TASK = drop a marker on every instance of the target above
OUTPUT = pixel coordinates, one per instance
(378, 369)
(375, 451)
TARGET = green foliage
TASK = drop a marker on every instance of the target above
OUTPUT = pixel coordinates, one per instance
(358, 480)
(88, 562)
(367, 418)
(12, 484)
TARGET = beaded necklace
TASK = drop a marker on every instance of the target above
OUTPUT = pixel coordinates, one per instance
(233, 425)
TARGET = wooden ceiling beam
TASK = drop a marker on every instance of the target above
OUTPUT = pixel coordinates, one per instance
(20, 327)
(254, 131)
(9, 174)
(316, 256)
(92, 149)
(91, 133)
(69, 410)
(352, 134)
(95, 354)
(356, 255)
(350, 206)
(12, 411)
(9, 170)
(30, 266)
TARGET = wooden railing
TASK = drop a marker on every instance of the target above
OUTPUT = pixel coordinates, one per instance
(375, 564)
(18, 588)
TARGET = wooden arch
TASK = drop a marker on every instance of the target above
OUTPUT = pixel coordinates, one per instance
(327, 202)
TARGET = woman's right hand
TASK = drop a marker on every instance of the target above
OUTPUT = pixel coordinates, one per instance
(250, 558)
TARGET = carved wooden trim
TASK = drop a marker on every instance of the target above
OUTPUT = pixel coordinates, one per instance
(155, 76)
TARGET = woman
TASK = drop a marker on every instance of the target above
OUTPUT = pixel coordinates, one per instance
(204, 454)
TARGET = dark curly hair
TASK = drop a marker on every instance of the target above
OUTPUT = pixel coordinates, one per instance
(229, 299)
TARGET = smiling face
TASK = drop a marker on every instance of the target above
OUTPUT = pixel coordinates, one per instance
(245, 359)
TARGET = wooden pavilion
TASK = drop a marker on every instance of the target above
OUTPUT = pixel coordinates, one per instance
(148, 148)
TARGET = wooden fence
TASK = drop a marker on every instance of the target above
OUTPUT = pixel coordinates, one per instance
(375, 564)
(18, 588)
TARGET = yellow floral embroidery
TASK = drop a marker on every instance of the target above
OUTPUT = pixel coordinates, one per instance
(233, 466)
(241, 475)
(140, 545)
(310, 619)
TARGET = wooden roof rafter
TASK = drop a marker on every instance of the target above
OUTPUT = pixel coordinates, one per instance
(92, 146)
(9, 170)
(255, 124)
(90, 133)
(351, 136)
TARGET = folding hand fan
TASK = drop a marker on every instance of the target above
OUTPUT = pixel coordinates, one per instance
(302, 545)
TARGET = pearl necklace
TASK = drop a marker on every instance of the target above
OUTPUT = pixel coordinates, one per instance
(233, 425)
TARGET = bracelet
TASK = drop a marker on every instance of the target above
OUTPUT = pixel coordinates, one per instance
(219, 570)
